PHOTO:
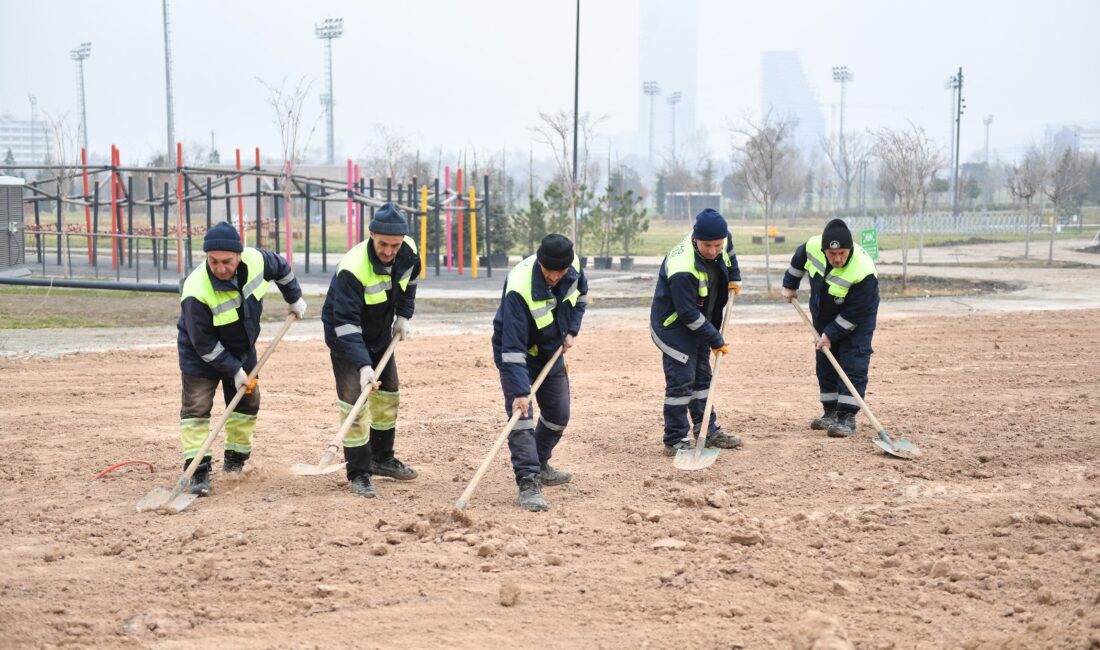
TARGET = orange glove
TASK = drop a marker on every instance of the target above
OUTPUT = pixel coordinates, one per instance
(735, 287)
(255, 382)
(725, 349)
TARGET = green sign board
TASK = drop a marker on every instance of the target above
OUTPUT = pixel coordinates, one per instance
(868, 239)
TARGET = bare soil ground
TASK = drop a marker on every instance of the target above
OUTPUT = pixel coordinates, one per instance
(989, 541)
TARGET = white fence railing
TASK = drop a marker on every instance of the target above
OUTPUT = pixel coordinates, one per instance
(947, 223)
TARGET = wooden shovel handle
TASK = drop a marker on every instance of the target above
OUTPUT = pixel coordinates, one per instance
(337, 440)
(224, 417)
(840, 371)
(705, 426)
(469, 491)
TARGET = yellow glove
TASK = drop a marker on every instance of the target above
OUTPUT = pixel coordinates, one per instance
(735, 287)
(725, 349)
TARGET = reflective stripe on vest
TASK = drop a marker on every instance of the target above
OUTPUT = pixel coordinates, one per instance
(681, 259)
(375, 285)
(223, 304)
(859, 266)
(519, 281)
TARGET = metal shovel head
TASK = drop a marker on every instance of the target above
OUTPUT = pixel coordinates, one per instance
(305, 469)
(692, 459)
(164, 500)
(898, 449)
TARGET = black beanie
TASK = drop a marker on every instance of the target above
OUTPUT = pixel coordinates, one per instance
(710, 226)
(222, 237)
(836, 235)
(555, 252)
(389, 220)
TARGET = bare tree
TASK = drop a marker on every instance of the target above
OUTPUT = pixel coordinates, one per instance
(845, 159)
(556, 131)
(1025, 180)
(390, 156)
(910, 161)
(762, 153)
(287, 105)
(1064, 186)
(67, 151)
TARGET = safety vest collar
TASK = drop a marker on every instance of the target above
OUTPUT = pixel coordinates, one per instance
(839, 280)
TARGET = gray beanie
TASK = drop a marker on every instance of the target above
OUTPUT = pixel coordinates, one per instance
(222, 237)
(389, 220)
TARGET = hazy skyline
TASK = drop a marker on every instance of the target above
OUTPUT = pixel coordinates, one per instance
(475, 74)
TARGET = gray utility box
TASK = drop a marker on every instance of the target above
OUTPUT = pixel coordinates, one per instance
(12, 252)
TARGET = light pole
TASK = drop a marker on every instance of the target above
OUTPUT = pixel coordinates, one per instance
(673, 100)
(842, 75)
(987, 121)
(651, 89)
(863, 187)
(82, 52)
(327, 30)
(959, 105)
(34, 118)
(576, 108)
(168, 88)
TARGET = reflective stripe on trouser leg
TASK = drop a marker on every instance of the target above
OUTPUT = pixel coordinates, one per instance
(238, 432)
(679, 387)
(522, 450)
(553, 401)
(701, 389)
(383, 409)
(356, 435)
(193, 432)
(854, 356)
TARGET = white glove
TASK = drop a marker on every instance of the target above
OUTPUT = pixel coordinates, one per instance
(298, 308)
(366, 378)
(240, 379)
(401, 327)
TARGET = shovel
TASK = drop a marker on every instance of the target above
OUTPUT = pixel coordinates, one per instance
(174, 500)
(464, 500)
(900, 448)
(700, 457)
(325, 466)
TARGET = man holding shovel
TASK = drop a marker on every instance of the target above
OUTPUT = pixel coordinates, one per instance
(685, 318)
(220, 309)
(844, 306)
(541, 308)
(370, 300)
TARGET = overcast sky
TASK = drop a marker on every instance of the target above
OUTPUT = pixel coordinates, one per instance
(475, 73)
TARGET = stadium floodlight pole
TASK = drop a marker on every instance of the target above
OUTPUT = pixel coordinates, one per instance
(673, 100)
(576, 108)
(34, 118)
(327, 30)
(168, 88)
(79, 54)
(651, 89)
(842, 75)
(987, 121)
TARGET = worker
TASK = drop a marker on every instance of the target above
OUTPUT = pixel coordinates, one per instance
(541, 309)
(844, 306)
(693, 287)
(370, 301)
(220, 310)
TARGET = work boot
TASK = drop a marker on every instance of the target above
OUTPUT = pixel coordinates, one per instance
(551, 476)
(825, 421)
(393, 468)
(530, 494)
(670, 450)
(844, 426)
(200, 480)
(361, 486)
(234, 462)
(718, 439)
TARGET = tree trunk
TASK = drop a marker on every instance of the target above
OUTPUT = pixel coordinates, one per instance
(767, 247)
(906, 220)
(1053, 227)
(1027, 227)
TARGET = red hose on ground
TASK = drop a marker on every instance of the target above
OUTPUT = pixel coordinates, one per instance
(126, 462)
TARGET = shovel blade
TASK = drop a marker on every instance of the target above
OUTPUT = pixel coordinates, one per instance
(900, 449)
(305, 469)
(693, 459)
(164, 500)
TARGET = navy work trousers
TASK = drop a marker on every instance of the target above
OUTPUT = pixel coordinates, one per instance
(533, 444)
(686, 388)
(854, 356)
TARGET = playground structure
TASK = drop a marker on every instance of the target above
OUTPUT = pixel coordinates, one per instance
(293, 214)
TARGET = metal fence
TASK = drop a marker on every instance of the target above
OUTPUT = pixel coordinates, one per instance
(945, 223)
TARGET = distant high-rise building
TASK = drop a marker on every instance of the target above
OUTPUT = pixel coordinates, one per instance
(1082, 138)
(788, 94)
(29, 142)
(667, 55)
